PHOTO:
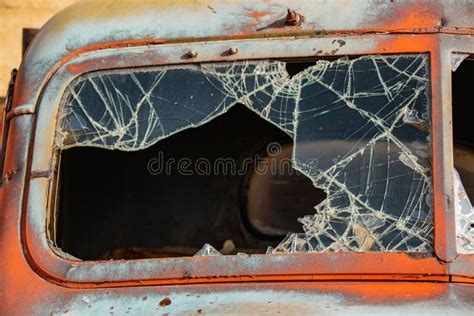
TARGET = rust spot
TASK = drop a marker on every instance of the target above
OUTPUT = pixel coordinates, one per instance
(413, 18)
(258, 15)
(144, 298)
(8, 176)
(165, 302)
(199, 311)
(81, 67)
(440, 24)
(293, 18)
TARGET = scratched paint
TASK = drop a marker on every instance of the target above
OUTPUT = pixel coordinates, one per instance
(259, 302)
(93, 25)
(386, 146)
(30, 288)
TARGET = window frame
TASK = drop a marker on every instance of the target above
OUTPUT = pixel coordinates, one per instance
(42, 178)
(462, 267)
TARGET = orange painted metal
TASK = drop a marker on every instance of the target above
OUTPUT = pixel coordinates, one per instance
(383, 264)
(34, 277)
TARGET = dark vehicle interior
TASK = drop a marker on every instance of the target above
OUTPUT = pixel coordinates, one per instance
(463, 134)
(120, 207)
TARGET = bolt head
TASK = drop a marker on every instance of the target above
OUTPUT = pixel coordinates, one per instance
(293, 18)
(233, 50)
(192, 54)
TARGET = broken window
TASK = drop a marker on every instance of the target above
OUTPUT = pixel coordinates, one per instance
(463, 68)
(360, 131)
(139, 203)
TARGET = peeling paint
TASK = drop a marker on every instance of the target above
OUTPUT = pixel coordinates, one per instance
(37, 281)
(323, 301)
(361, 163)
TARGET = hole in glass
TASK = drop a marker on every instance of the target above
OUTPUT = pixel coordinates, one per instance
(130, 205)
(360, 130)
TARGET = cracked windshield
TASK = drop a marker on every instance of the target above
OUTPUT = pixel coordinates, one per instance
(247, 158)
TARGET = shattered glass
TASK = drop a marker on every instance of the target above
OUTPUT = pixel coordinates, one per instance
(207, 250)
(361, 131)
(457, 59)
(464, 218)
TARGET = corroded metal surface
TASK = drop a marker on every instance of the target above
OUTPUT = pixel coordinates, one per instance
(92, 25)
(326, 298)
(88, 36)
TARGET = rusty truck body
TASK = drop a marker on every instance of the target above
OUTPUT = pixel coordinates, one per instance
(356, 95)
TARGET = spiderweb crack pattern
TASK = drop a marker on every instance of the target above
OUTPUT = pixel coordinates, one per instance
(361, 131)
(464, 218)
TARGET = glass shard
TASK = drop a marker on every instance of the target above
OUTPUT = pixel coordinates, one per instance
(464, 218)
(456, 60)
(207, 250)
(361, 131)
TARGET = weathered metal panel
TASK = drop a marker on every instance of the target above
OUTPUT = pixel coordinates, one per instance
(78, 40)
(332, 298)
(92, 25)
(171, 53)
